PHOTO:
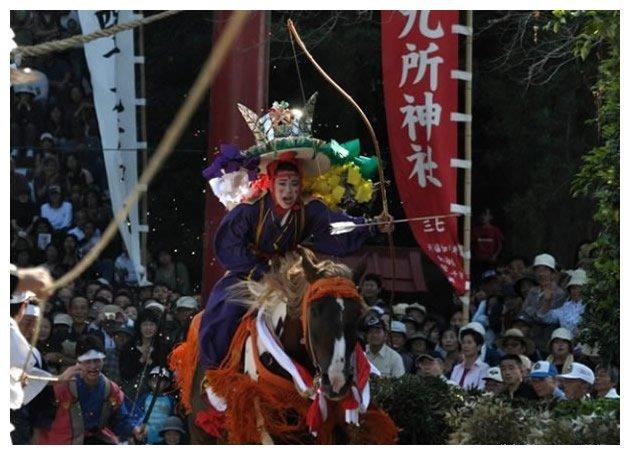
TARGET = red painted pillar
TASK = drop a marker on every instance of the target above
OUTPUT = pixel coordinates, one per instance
(243, 79)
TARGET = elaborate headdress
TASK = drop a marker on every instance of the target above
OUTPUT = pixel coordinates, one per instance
(235, 176)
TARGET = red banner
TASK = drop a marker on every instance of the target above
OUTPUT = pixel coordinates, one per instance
(420, 74)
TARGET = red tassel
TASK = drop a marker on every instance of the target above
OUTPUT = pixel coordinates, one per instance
(211, 421)
(363, 367)
(314, 416)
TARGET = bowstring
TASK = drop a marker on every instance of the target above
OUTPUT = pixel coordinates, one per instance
(297, 67)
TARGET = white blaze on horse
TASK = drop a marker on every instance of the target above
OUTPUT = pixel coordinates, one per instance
(296, 362)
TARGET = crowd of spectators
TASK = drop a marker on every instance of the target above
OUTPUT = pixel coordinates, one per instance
(520, 342)
(59, 208)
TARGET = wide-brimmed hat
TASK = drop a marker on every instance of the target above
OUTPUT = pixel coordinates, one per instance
(561, 334)
(516, 334)
(283, 129)
(475, 327)
(546, 260)
(417, 306)
(578, 278)
(187, 302)
(400, 309)
(398, 327)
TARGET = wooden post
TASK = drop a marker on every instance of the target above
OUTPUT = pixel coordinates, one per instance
(144, 204)
(468, 171)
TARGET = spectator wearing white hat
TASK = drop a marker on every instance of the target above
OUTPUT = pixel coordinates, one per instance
(384, 358)
(398, 311)
(470, 372)
(494, 381)
(91, 408)
(578, 382)
(569, 315)
(514, 342)
(560, 348)
(417, 312)
(185, 309)
(544, 382)
(31, 391)
(606, 381)
(543, 298)
(397, 340)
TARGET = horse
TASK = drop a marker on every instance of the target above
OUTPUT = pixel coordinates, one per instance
(294, 361)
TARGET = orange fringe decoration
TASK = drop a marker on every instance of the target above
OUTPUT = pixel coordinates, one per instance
(183, 362)
(283, 409)
(331, 286)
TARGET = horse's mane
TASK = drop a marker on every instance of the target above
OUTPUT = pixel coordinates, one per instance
(285, 283)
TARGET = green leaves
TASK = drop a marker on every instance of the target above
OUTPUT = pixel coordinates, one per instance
(598, 178)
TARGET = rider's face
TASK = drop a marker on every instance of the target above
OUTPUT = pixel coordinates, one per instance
(287, 189)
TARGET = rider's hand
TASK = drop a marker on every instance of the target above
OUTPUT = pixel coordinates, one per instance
(388, 227)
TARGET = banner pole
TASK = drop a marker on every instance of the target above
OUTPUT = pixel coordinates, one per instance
(144, 155)
(468, 170)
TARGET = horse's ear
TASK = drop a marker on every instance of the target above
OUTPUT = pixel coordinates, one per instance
(308, 264)
(360, 268)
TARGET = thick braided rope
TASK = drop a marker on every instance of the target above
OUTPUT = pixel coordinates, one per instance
(204, 80)
(73, 41)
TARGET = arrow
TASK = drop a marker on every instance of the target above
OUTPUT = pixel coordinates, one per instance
(343, 227)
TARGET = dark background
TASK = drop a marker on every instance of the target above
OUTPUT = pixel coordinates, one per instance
(527, 138)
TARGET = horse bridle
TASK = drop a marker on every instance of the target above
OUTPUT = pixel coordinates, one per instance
(336, 287)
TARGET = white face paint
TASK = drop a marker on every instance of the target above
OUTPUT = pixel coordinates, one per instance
(337, 363)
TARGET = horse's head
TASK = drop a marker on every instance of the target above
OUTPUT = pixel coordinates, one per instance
(331, 310)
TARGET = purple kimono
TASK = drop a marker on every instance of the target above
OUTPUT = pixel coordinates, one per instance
(247, 237)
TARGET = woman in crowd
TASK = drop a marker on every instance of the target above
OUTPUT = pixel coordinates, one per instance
(142, 354)
(449, 347)
(470, 372)
(70, 251)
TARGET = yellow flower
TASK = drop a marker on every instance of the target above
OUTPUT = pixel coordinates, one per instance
(354, 176)
(321, 187)
(364, 192)
(338, 193)
(333, 180)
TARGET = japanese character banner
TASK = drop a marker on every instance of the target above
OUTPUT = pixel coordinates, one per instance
(112, 73)
(420, 75)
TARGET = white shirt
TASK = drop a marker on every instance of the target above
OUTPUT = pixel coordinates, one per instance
(19, 350)
(387, 361)
(474, 377)
(569, 315)
(60, 218)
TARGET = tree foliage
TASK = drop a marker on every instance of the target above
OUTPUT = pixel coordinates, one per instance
(598, 178)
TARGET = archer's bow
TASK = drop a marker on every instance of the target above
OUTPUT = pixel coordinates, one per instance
(377, 149)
